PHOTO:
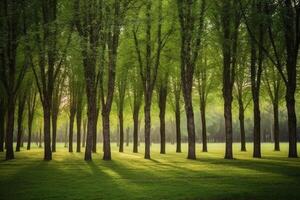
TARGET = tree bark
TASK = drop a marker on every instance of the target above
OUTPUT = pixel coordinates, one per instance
(178, 129)
(10, 128)
(190, 128)
(162, 112)
(78, 123)
(2, 122)
(71, 124)
(276, 126)
(21, 108)
(92, 123)
(147, 112)
(47, 138)
(31, 111)
(292, 35)
(54, 130)
(135, 129)
(106, 136)
(121, 130)
(203, 121)
(242, 124)
(84, 133)
(292, 121)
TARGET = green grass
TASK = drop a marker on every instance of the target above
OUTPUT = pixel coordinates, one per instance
(170, 176)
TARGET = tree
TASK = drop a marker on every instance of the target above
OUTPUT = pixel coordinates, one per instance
(89, 33)
(137, 93)
(148, 69)
(115, 15)
(31, 109)
(57, 96)
(290, 17)
(12, 74)
(204, 78)
(242, 90)
(162, 90)
(49, 61)
(230, 22)
(176, 107)
(21, 108)
(120, 101)
(79, 107)
(274, 86)
(2, 121)
(191, 29)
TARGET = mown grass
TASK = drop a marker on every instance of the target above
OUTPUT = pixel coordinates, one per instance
(170, 176)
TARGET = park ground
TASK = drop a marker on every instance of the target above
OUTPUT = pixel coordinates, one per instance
(170, 176)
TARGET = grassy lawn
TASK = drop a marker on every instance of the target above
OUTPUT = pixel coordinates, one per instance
(170, 176)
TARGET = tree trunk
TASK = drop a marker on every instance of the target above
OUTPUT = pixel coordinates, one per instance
(276, 127)
(54, 130)
(10, 128)
(47, 138)
(291, 32)
(228, 128)
(29, 137)
(162, 113)
(135, 129)
(178, 130)
(92, 123)
(190, 127)
(256, 128)
(121, 131)
(84, 133)
(127, 136)
(94, 147)
(2, 127)
(40, 138)
(72, 117)
(203, 121)
(78, 123)
(21, 108)
(292, 121)
(106, 136)
(147, 112)
(242, 124)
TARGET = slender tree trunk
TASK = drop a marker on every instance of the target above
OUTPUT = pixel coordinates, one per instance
(228, 128)
(178, 129)
(127, 136)
(121, 130)
(292, 121)
(135, 129)
(2, 127)
(162, 113)
(255, 87)
(276, 127)
(84, 133)
(72, 117)
(106, 136)
(92, 119)
(47, 138)
(256, 129)
(10, 128)
(29, 138)
(147, 112)
(242, 124)
(190, 128)
(78, 123)
(203, 121)
(54, 130)
(21, 108)
(40, 138)
(94, 147)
